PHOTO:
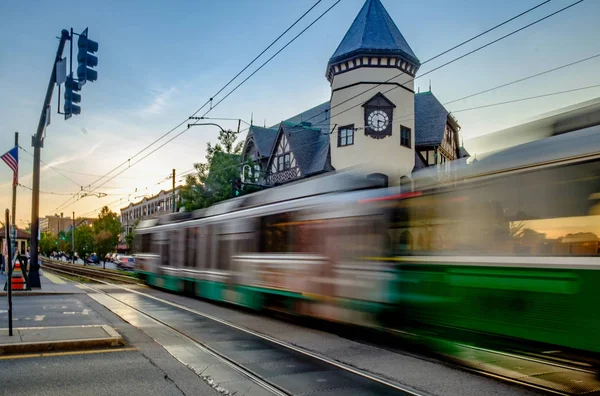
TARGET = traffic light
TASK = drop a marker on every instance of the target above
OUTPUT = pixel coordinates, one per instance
(71, 97)
(236, 188)
(85, 60)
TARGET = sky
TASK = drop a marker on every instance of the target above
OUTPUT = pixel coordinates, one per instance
(159, 61)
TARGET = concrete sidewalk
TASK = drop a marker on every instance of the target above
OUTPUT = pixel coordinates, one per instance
(58, 338)
(51, 284)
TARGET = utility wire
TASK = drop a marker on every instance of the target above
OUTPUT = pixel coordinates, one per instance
(430, 71)
(187, 128)
(53, 168)
(411, 114)
(43, 192)
(451, 61)
(207, 102)
(524, 79)
(274, 55)
(527, 98)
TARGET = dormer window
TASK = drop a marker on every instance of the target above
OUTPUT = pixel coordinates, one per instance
(283, 162)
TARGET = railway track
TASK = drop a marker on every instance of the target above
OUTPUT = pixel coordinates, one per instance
(87, 272)
(192, 325)
(277, 368)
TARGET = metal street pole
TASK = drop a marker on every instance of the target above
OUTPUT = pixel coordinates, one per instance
(173, 205)
(73, 239)
(14, 204)
(37, 142)
(9, 280)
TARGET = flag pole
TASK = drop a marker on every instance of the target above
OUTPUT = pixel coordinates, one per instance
(14, 200)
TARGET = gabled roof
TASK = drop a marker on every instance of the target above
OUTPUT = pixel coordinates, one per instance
(318, 116)
(430, 119)
(373, 32)
(309, 145)
(21, 234)
(263, 139)
(379, 99)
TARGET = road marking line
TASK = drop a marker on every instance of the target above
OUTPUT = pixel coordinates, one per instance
(54, 279)
(50, 354)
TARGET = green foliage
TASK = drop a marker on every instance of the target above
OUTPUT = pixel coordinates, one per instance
(212, 183)
(64, 241)
(48, 243)
(106, 231)
(84, 240)
(129, 240)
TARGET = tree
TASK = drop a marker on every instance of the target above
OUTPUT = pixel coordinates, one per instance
(106, 231)
(129, 238)
(84, 240)
(64, 241)
(212, 183)
(48, 243)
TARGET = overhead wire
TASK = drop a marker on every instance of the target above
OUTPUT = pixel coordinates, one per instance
(208, 101)
(448, 62)
(428, 72)
(245, 80)
(53, 168)
(404, 117)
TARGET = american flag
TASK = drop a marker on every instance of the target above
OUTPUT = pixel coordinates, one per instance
(12, 160)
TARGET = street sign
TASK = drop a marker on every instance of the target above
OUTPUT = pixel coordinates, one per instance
(61, 71)
(48, 112)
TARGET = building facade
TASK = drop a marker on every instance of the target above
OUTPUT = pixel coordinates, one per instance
(22, 241)
(374, 118)
(147, 208)
(56, 224)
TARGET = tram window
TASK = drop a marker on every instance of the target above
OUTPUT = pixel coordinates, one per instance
(165, 253)
(225, 253)
(552, 211)
(189, 249)
(146, 241)
(275, 233)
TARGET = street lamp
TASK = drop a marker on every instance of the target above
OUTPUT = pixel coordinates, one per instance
(206, 123)
(243, 175)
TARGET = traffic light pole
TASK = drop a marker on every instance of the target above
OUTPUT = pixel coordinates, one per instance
(37, 143)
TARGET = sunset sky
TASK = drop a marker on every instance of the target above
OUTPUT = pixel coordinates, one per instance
(160, 61)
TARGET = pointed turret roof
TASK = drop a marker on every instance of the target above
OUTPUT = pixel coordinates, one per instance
(373, 32)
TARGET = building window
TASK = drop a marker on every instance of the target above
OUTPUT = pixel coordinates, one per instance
(405, 136)
(284, 162)
(346, 135)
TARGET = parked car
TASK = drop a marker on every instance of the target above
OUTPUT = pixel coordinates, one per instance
(126, 262)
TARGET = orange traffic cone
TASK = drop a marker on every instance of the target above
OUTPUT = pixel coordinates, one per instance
(17, 279)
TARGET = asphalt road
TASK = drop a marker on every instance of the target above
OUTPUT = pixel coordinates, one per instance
(143, 367)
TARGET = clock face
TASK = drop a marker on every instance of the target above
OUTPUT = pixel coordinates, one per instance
(378, 120)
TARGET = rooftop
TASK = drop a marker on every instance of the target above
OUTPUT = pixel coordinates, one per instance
(373, 32)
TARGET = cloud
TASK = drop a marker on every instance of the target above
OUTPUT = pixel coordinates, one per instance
(159, 103)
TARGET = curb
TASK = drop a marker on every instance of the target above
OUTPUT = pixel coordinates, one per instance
(113, 340)
(17, 293)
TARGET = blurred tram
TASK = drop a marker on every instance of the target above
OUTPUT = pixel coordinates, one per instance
(507, 246)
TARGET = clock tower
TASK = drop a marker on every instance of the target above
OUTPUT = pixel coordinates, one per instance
(372, 97)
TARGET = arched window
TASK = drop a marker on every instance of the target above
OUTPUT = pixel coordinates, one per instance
(405, 184)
